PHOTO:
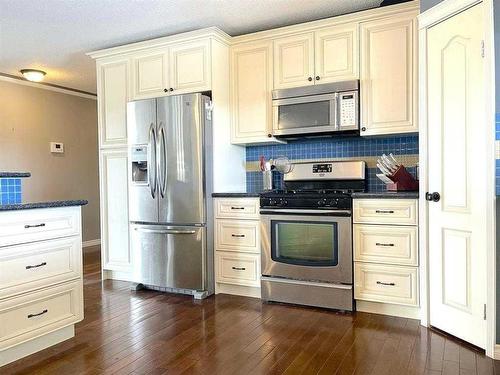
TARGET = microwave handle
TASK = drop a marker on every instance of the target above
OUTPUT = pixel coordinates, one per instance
(334, 112)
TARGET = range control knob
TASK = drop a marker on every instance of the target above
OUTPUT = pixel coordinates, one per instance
(322, 202)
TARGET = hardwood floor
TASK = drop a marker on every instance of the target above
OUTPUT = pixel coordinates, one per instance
(153, 333)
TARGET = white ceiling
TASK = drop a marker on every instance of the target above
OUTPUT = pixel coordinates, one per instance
(54, 35)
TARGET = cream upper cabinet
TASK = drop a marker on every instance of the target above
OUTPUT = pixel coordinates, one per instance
(251, 84)
(389, 75)
(112, 84)
(336, 53)
(294, 61)
(189, 67)
(149, 75)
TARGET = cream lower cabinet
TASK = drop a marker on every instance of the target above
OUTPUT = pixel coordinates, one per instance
(389, 95)
(115, 248)
(41, 286)
(385, 237)
(237, 246)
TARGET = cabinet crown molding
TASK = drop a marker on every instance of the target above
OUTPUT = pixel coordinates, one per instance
(220, 35)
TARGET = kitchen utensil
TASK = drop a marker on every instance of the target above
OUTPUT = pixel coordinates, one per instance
(396, 163)
(261, 162)
(389, 163)
(384, 178)
(282, 164)
(383, 169)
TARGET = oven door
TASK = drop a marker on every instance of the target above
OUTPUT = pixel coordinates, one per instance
(305, 115)
(313, 245)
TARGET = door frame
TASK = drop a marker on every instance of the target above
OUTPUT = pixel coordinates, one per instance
(427, 19)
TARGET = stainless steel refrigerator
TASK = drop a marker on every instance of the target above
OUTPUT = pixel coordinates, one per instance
(170, 183)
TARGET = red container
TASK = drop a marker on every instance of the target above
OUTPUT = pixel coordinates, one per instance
(403, 181)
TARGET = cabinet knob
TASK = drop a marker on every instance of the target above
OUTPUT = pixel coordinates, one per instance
(363, 129)
(317, 78)
(310, 79)
(171, 89)
(270, 135)
(166, 90)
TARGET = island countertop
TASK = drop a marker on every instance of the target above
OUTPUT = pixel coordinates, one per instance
(386, 195)
(236, 195)
(49, 204)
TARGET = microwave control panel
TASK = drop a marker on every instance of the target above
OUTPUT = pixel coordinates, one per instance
(348, 109)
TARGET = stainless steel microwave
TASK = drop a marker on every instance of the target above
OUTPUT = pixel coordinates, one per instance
(316, 110)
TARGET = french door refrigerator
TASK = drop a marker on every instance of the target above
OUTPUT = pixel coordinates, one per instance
(170, 142)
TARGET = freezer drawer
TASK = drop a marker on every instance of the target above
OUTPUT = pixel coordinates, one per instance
(169, 256)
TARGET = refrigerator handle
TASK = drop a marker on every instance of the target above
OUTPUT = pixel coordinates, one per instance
(162, 162)
(152, 160)
(164, 231)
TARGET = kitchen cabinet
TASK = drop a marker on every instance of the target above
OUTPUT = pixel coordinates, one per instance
(41, 279)
(329, 54)
(115, 247)
(112, 83)
(389, 75)
(189, 67)
(237, 246)
(251, 82)
(149, 75)
(175, 69)
(294, 61)
(385, 243)
(336, 53)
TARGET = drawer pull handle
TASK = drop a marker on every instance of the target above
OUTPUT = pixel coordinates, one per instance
(238, 235)
(237, 208)
(38, 314)
(28, 226)
(239, 268)
(37, 265)
(384, 211)
(384, 244)
(388, 284)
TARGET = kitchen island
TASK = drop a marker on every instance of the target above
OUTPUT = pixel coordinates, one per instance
(41, 278)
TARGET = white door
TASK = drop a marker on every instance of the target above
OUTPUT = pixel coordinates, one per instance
(457, 171)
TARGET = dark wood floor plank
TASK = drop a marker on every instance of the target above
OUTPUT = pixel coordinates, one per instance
(147, 332)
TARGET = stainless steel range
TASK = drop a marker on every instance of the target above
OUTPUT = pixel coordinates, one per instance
(307, 235)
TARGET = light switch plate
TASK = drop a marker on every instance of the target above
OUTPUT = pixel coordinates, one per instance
(57, 147)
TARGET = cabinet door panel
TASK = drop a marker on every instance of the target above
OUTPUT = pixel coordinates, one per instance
(114, 210)
(149, 75)
(294, 61)
(337, 53)
(251, 85)
(388, 76)
(113, 95)
(190, 67)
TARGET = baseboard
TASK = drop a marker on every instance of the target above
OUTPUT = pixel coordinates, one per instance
(239, 290)
(89, 243)
(496, 354)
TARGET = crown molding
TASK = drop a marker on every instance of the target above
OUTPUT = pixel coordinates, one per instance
(47, 86)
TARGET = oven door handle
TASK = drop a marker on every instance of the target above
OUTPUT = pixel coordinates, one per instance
(285, 211)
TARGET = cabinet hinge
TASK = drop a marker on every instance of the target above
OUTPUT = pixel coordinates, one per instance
(484, 314)
(482, 48)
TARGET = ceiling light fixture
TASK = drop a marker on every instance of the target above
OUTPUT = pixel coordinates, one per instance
(33, 75)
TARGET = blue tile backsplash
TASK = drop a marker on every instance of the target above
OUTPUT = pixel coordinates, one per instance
(10, 191)
(324, 148)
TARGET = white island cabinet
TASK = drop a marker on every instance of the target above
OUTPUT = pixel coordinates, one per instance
(41, 287)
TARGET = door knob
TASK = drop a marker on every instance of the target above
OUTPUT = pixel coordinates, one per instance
(432, 197)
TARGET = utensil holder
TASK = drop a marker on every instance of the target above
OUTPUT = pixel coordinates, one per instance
(402, 181)
(267, 180)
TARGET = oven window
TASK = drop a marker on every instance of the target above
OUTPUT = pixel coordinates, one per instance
(304, 115)
(307, 244)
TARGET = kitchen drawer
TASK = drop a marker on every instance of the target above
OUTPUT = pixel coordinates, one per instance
(388, 284)
(238, 208)
(386, 244)
(23, 226)
(34, 314)
(39, 264)
(386, 211)
(237, 235)
(239, 269)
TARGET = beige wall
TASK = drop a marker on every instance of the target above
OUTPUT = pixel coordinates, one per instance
(30, 118)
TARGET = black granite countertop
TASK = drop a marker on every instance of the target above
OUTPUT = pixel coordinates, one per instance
(14, 174)
(52, 204)
(387, 194)
(235, 195)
